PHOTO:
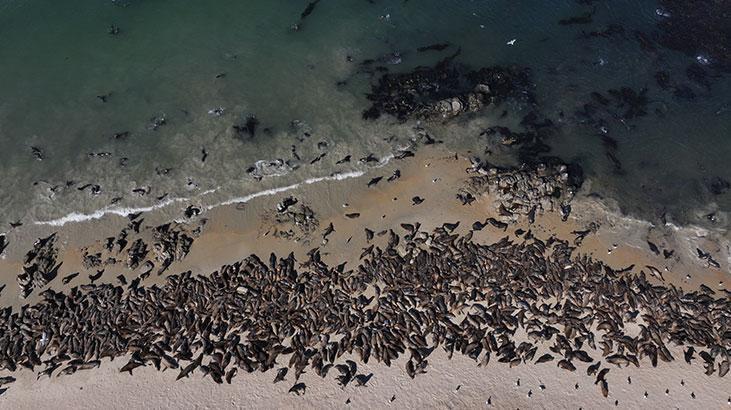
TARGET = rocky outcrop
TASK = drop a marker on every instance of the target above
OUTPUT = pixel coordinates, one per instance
(525, 191)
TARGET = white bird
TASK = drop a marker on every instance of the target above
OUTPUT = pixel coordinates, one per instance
(512, 42)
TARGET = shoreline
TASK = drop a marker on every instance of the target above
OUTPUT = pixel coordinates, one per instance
(230, 232)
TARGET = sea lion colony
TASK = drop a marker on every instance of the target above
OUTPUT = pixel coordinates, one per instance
(418, 292)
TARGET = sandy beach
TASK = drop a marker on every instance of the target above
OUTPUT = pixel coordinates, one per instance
(230, 233)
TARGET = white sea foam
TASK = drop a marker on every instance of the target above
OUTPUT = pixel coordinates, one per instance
(124, 211)
(121, 211)
(274, 191)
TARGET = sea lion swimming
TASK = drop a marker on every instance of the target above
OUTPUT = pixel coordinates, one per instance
(156, 122)
(119, 136)
(37, 153)
(309, 9)
(249, 127)
(369, 158)
(433, 47)
(104, 97)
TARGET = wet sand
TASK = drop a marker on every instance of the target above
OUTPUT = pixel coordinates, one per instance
(233, 232)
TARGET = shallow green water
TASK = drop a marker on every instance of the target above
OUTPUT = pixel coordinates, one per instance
(56, 58)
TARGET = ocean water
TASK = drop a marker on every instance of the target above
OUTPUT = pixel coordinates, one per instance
(182, 60)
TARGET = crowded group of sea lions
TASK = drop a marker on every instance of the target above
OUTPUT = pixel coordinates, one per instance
(411, 292)
(417, 292)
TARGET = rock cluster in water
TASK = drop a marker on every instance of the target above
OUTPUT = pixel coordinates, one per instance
(445, 91)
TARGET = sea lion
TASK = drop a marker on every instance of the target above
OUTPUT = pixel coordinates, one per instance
(396, 175)
(374, 181)
(37, 153)
(309, 9)
(249, 127)
(96, 276)
(433, 47)
(69, 278)
(281, 373)
(298, 388)
(3, 243)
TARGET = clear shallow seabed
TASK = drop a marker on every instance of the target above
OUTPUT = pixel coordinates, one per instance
(182, 59)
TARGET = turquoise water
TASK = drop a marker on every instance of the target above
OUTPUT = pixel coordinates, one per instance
(181, 59)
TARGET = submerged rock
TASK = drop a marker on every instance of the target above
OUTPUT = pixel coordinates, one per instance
(444, 91)
(699, 29)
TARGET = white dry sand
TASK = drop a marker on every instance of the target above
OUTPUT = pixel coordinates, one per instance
(147, 388)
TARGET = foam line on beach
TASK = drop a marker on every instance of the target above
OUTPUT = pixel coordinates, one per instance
(121, 211)
(274, 191)
(124, 211)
